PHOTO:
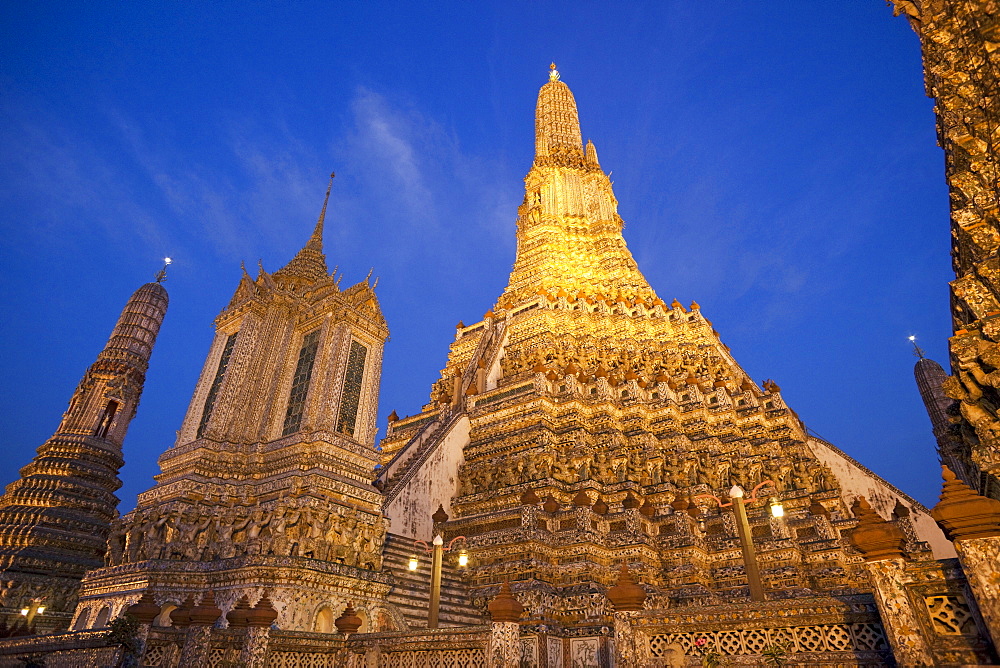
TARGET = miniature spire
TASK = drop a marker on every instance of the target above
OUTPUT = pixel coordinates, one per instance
(553, 73)
(917, 350)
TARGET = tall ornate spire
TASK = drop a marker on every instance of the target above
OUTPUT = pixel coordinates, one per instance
(568, 229)
(557, 123)
(55, 519)
(309, 264)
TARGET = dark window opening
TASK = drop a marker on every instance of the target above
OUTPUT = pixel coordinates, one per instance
(300, 383)
(351, 396)
(107, 417)
(213, 391)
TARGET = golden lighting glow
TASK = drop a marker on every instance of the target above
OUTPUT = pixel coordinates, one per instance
(413, 563)
(777, 510)
(463, 558)
(41, 609)
(24, 612)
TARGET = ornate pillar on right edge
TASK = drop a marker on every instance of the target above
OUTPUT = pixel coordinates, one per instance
(628, 598)
(882, 544)
(504, 648)
(972, 522)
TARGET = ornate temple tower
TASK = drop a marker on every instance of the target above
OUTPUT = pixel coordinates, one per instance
(960, 42)
(584, 423)
(930, 379)
(55, 519)
(268, 487)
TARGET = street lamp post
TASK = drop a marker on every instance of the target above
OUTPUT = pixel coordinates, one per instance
(437, 549)
(746, 544)
(743, 529)
(438, 553)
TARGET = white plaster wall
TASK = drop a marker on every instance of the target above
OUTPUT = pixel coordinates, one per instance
(436, 482)
(856, 481)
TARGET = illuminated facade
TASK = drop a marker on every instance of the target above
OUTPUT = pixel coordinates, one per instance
(585, 440)
(268, 487)
(585, 424)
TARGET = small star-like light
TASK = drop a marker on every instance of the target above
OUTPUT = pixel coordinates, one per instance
(167, 260)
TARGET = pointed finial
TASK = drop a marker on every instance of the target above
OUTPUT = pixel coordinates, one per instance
(316, 240)
(916, 349)
(553, 73)
(161, 275)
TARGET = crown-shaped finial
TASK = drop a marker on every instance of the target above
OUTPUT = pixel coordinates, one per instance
(161, 275)
(553, 73)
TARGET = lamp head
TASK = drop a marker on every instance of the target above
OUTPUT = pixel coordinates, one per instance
(777, 510)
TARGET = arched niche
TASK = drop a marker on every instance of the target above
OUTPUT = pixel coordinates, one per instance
(81, 620)
(324, 621)
(101, 621)
(163, 619)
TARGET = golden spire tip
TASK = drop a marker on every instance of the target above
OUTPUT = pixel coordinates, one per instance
(553, 73)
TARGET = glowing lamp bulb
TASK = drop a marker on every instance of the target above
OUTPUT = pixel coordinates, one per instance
(463, 558)
(41, 609)
(24, 612)
(413, 563)
(167, 260)
(777, 510)
(912, 338)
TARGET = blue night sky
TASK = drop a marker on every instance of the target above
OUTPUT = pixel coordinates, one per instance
(774, 161)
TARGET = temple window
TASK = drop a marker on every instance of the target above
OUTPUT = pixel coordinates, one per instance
(107, 417)
(300, 383)
(351, 396)
(213, 391)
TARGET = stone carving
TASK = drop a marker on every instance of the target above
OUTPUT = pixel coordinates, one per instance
(302, 529)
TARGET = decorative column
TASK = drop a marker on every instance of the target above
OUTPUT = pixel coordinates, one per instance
(259, 620)
(198, 639)
(882, 544)
(628, 598)
(504, 650)
(973, 523)
(145, 611)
